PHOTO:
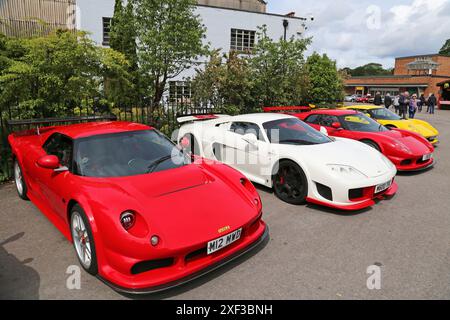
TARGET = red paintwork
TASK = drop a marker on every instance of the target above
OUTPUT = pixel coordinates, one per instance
(369, 197)
(364, 99)
(417, 145)
(48, 162)
(293, 108)
(185, 207)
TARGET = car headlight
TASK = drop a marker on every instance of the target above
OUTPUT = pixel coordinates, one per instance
(345, 171)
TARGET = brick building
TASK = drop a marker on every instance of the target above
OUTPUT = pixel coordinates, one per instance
(416, 74)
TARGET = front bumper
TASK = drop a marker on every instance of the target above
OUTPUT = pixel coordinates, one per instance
(350, 195)
(414, 167)
(357, 205)
(238, 251)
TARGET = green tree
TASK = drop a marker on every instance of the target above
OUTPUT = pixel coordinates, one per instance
(445, 50)
(170, 40)
(52, 75)
(123, 39)
(326, 82)
(370, 69)
(278, 70)
(226, 83)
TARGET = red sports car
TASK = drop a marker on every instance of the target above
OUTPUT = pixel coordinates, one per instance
(407, 150)
(142, 216)
(363, 99)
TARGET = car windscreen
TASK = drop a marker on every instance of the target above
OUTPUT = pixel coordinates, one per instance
(360, 122)
(126, 154)
(384, 114)
(293, 131)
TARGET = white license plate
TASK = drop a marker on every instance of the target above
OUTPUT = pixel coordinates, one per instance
(427, 157)
(224, 241)
(383, 186)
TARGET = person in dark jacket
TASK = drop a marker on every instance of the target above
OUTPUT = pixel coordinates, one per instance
(421, 102)
(432, 102)
(378, 101)
(388, 101)
(404, 104)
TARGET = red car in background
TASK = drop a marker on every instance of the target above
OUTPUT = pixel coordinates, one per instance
(407, 150)
(363, 99)
(142, 215)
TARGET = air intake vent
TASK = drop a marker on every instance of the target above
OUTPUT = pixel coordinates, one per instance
(325, 191)
(149, 265)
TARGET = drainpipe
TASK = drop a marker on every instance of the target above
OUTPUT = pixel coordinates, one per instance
(285, 25)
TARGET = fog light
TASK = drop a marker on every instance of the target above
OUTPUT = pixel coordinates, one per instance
(256, 201)
(127, 219)
(154, 241)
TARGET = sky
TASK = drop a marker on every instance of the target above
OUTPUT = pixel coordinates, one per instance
(356, 32)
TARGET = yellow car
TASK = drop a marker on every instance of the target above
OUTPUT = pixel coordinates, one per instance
(390, 120)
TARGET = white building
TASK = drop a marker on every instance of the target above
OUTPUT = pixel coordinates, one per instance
(230, 25)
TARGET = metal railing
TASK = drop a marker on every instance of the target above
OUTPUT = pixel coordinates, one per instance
(162, 117)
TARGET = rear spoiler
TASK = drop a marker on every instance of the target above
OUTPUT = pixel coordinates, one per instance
(286, 109)
(199, 117)
(50, 121)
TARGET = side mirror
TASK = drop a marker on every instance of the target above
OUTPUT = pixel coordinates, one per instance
(251, 138)
(52, 163)
(336, 125)
(48, 162)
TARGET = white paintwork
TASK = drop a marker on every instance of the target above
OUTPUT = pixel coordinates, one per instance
(261, 157)
(218, 23)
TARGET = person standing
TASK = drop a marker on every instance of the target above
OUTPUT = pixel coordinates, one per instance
(432, 102)
(413, 106)
(404, 104)
(397, 104)
(421, 102)
(378, 100)
(388, 101)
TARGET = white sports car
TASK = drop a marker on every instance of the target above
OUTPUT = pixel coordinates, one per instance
(300, 163)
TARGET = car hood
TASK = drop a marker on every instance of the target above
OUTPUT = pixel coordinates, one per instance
(417, 145)
(342, 152)
(418, 126)
(184, 206)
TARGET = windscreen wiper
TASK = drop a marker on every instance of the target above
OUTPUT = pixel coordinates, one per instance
(156, 163)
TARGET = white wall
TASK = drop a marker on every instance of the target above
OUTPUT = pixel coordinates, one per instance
(91, 14)
(218, 22)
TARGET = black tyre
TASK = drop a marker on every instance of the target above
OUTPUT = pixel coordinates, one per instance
(83, 241)
(371, 144)
(19, 180)
(290, 183)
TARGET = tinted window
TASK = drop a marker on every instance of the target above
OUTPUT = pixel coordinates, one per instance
(243, 128)
(62, 147)
(327, 120)
(126, 154)
(360, 122)
(293, 131)
(384, 114)
(314, 118)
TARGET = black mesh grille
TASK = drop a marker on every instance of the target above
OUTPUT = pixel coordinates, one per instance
(145, 266)
(324, 191)
(196, 254)
(356, 193)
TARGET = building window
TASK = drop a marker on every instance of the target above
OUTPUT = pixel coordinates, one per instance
(106, 30)
(180, 92)
(242, 40)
